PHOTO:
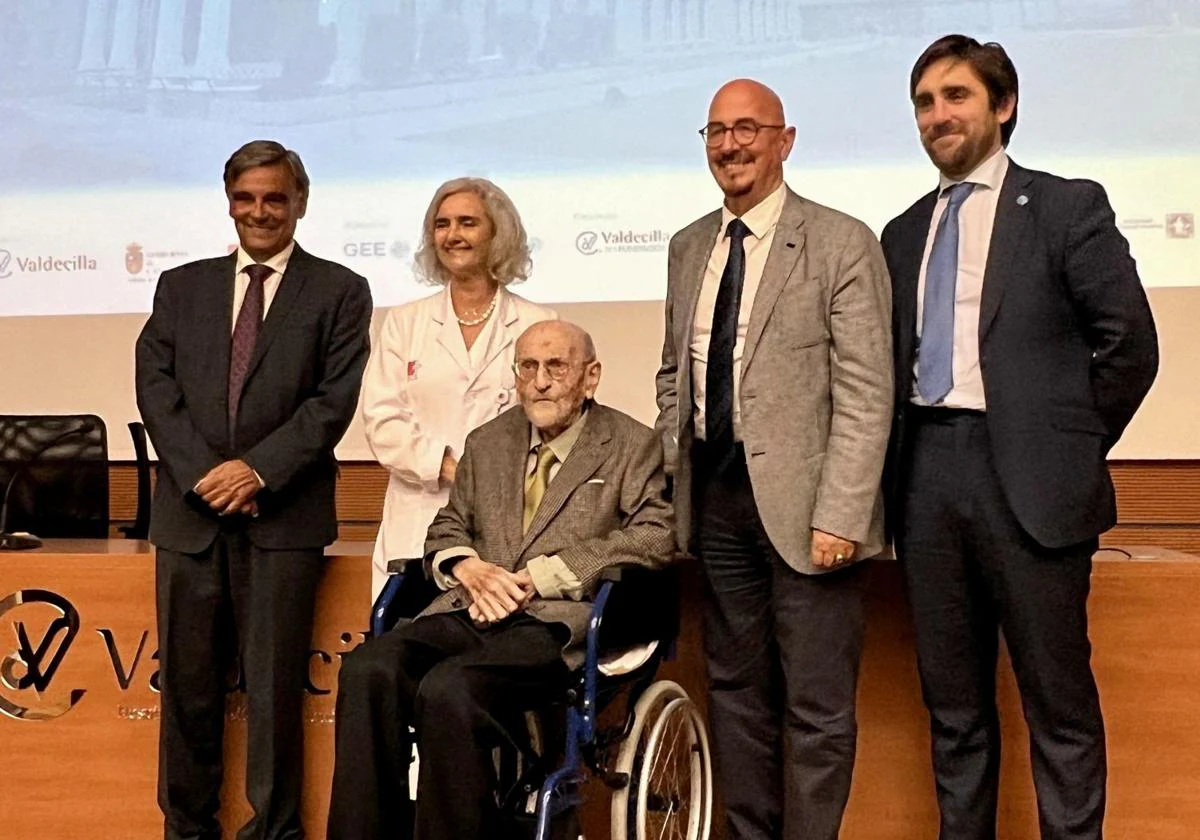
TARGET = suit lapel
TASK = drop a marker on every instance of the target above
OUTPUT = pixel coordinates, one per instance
(587, 455)
(510, 464)
(786, 249)
(1005, 251)
(216, 321)
(691, 272)
(298, 269)
(449, 336)
(907, 278)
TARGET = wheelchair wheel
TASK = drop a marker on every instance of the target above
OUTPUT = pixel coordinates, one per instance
(669, 768)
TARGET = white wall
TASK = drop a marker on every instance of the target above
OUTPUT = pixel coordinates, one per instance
(84, 364)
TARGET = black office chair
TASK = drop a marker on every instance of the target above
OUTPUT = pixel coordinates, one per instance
(54, 475)
(655, 759)
(54, 478)
(140, 529)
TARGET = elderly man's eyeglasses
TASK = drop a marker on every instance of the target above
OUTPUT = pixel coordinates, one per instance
(744, 132)
(527, 369)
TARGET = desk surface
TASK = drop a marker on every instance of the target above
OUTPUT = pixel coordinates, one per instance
(90, 738)
(361, 548)
(341, 548)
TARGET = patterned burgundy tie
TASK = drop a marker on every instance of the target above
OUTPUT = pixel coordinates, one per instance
(245, 336)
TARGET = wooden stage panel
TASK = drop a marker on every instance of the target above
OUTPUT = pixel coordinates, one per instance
(90, 772)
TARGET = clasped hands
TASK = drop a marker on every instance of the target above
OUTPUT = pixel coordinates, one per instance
(496, 593)
(230, 487)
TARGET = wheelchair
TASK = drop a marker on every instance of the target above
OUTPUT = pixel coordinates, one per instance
(655, 757)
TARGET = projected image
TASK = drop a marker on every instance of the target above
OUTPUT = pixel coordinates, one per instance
(570, 104)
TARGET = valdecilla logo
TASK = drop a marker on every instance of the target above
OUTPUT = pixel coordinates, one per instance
(585, 243)
(39, 627)
(5, 261)
(33, 666)
(622, 241)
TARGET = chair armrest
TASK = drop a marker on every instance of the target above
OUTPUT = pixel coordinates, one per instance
(404, 565)
(643, 606)
(405, 595)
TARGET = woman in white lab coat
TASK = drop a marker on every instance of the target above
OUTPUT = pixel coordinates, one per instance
(442, 365)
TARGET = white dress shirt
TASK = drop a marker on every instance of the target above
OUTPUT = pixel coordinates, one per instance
(976, 218)
(241, 280)
(762, 220)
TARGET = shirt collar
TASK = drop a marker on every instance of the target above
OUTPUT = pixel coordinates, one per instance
(278, 263)
(562, 445)
(760, 218)
(988, 174)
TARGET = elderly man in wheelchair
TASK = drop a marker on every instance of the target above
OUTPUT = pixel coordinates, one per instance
(554, 501)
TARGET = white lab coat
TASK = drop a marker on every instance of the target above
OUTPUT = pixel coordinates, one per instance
(422, 392)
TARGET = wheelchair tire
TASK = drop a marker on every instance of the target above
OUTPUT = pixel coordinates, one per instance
(668, 764)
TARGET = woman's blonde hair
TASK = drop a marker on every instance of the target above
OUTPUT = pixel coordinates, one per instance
(508, 257)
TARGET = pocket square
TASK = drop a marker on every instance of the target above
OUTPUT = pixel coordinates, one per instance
(594, 481)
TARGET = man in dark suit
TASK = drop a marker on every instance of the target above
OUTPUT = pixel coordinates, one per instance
(547, 496)
(1023, 346)
(248, 373)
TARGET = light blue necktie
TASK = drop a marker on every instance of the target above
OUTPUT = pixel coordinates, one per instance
(935, 357)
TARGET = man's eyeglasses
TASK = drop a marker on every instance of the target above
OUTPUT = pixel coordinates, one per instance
(744, 132)
(527, 369)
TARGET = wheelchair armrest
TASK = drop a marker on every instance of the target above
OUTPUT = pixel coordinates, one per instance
(406, 594)
(404, 565)
(641, 605)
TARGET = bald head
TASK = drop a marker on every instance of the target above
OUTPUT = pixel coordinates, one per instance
(560, 332)
(557, 372)
(748, 141)
(749, 97)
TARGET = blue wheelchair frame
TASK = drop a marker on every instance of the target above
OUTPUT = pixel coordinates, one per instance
(408, 591)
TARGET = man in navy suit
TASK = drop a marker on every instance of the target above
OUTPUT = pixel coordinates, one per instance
(1023, 346)
(248, 373)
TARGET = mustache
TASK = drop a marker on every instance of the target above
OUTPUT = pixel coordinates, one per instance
(942, 129)
(735, 156)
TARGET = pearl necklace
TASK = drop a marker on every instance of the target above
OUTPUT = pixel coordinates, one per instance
(475, 322)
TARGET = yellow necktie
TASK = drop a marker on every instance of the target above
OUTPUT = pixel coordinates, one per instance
(535, 484)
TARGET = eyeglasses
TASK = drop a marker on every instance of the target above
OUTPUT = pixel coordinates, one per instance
(527, 369)
(744, 132)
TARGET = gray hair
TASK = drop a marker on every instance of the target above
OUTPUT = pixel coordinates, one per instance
(508, 257)
(265, 153)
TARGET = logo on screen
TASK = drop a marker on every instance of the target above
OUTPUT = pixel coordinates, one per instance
(5, 259)
(135, 259)
(33, 666)
(1179, 226)
(586, 242)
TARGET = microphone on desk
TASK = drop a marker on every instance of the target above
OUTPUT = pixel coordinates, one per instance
(20, 540)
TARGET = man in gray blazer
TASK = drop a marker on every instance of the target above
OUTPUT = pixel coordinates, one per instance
(547, 496)
(775, 397)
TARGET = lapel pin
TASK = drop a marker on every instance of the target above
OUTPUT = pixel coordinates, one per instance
(1022, 200)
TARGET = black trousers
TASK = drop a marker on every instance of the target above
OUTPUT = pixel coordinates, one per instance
(457, 685)
(972, 572)
(783, 651)
(233, 602)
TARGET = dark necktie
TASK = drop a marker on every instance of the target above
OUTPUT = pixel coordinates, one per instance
(935, 355)
(718, 382)
(245, 336)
